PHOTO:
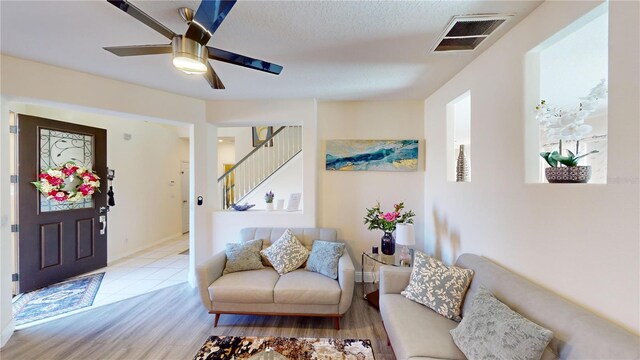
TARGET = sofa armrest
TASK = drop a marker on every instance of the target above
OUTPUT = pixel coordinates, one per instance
(346, 279)
(393, 279)
(208, 272)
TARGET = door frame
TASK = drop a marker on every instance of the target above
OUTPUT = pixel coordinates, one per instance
(13, 165)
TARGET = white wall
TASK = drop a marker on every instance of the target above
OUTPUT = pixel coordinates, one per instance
(229, 153)
(226, 155)
(146, 213)
(184, 146)
(242, 140)
(581, 241)
(28, 82)
(226, 225)
(344, 195)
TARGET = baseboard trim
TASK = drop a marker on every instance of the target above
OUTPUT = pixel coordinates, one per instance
(7, 332)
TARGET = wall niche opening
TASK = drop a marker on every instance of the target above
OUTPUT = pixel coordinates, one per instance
(566, 103)
(459, 138)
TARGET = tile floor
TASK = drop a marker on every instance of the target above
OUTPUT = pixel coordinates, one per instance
(152, 269)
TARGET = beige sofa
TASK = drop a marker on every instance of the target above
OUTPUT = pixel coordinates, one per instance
(416, 332)
(264, 292)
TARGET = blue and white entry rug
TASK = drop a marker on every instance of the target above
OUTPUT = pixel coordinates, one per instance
(56, 299)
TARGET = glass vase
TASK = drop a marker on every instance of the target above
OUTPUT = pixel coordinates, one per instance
(388, 243)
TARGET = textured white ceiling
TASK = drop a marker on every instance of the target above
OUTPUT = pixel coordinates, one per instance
(344, 50)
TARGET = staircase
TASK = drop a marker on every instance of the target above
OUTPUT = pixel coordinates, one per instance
(259, 165)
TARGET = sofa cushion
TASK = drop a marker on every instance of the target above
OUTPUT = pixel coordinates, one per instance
(295, 288)
(438, 286)
(416, 331)
(243, 256)
(252, 286)
(286, 254)
(491, 330)
(324, 258)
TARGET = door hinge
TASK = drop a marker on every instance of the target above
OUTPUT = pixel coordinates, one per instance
(13, 129)
(14, 179)
(14, 228)
(15, 277)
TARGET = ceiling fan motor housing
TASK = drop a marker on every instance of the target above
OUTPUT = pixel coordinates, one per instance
(185, 48)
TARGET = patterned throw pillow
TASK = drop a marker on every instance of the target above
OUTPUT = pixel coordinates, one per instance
(324, 258)
(490, 330)
(243, 256)
(438, 286)
(286, 254)
(265, 261)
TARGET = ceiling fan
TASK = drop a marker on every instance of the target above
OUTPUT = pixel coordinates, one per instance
(190, 51)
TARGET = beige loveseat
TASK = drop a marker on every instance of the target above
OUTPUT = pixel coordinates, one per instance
(416, 332)
(264, 292)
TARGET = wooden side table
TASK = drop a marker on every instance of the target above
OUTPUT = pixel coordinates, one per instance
(380, 259)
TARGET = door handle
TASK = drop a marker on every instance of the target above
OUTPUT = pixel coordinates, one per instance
(103, 224)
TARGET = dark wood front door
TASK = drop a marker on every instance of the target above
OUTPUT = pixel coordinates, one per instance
(59, 240)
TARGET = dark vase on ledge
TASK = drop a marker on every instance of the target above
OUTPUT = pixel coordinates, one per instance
(388, 244)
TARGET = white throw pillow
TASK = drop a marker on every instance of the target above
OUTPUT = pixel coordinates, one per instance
(286, 254)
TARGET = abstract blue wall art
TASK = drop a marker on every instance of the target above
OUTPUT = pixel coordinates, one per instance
(372, 155)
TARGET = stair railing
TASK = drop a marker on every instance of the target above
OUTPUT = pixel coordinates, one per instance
(260, 164)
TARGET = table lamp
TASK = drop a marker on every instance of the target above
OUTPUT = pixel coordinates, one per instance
(405, 236)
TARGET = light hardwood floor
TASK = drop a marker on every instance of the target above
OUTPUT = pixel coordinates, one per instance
(172, 324)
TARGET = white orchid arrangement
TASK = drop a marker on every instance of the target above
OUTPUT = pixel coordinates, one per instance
(561, 124)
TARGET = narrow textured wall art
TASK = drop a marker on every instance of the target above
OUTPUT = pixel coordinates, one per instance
(372, 155)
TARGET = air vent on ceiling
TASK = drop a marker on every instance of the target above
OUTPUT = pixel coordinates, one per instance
(466, 32)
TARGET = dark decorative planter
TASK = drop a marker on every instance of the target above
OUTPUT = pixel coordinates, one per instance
(388, 244)
(568, 174)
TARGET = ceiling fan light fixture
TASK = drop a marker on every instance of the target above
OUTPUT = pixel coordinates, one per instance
(189, 56)
(189, 65)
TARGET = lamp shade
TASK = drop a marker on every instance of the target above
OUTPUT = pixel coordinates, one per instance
(405, 234)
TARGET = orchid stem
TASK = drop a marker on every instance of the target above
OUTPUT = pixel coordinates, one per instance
(560, 150)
